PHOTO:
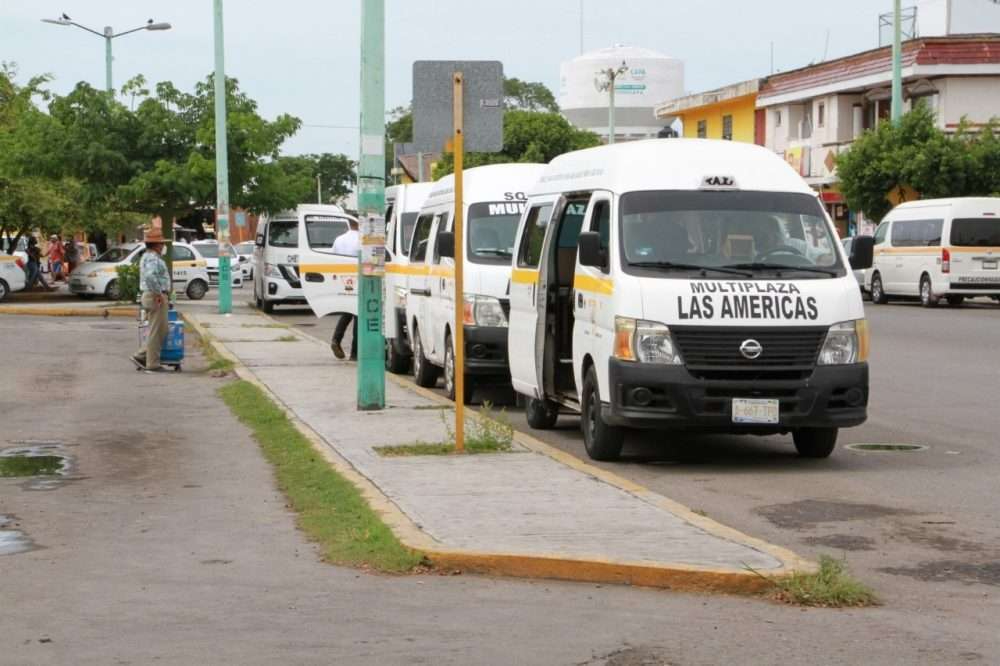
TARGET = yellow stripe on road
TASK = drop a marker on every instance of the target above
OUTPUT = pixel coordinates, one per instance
(594, 285)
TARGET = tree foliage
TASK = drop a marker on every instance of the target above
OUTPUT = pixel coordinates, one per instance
(916, 155)
(528, 96)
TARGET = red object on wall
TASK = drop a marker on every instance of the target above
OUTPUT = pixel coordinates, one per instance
(832, 197)
(760, 126)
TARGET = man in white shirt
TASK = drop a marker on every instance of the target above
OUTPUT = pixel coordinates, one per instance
(347, 244)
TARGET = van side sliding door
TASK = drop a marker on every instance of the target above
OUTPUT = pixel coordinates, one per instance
(526, 290)
(329, 281)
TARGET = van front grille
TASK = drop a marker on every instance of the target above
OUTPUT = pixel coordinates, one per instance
(714, 352)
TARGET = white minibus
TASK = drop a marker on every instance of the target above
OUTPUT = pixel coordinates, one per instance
(493, 199)
(686, 284)
(938, 248)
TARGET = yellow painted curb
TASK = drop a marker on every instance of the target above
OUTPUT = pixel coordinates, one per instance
(117, 311)
(543, 566)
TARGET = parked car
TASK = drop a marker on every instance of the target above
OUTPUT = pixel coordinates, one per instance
(12, 277)
(860, 274)
(100, 276)
(247, 262)
(209, 249)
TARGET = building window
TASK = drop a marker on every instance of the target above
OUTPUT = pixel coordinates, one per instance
(821, 114)
(777, 118)
(702, 129)
(727, 128)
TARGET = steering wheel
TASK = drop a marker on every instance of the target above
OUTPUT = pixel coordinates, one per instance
(781, 249)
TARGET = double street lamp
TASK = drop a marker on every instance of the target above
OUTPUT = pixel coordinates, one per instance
(108, 35)
(605, 81)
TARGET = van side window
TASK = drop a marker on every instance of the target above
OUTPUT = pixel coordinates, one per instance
(390, 236)
(601, 223)
(442, 227)
(420, 235)
(530, 251)
(917, 233)
(881, 232)
(572, 222)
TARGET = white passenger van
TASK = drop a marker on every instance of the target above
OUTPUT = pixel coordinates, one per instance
(690, 285)
(276, 279)
(493, 200)
(403, 203)
(938, 248)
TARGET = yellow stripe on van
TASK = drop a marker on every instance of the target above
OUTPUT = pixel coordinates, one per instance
(405, 270)
(973, 250)
(595, 285)
(524, 276)
(909, 250)
(329, 269)
(6, 258)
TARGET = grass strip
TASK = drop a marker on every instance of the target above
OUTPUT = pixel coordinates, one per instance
(331, 511)
(440, 448)
(830, 587)
(216, 361)
(30, 466)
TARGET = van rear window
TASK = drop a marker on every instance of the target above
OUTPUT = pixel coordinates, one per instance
(976, 232)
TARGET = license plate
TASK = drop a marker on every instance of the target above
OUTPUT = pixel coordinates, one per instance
(990, 265)
(755, 410)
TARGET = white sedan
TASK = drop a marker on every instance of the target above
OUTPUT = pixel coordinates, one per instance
(12, 277)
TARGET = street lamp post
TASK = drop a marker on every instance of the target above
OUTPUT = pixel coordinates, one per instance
(108, 35)
(605, 80)
(896, 111)
(222, 167)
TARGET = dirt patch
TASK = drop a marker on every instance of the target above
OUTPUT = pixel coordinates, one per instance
(944, 571)
(631, 656)
(843, 542)
(807, 514)
(932, 538)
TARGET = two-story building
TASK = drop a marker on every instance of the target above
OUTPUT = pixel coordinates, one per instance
(727, 113)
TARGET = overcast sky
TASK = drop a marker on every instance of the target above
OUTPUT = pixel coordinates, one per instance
(301, 56)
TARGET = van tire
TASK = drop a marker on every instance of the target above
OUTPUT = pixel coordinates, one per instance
(815, 442)
(449, 375)
(955, 300)
(196, 290)
(927, 297)
(542, 414)
(877, 291)
(424, 374)
(602, 441)
(396, 361)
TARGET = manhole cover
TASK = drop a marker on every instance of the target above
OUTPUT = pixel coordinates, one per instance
(887, 447)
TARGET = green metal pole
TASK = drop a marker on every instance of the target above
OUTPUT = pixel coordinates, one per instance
(897, 62)
(222, 169)
(108, 34)
(371, 207)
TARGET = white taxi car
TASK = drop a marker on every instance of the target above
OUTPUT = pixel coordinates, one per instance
(100, 276)
(12, 277)
(209, 250)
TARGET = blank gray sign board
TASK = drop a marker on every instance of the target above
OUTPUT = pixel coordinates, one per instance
(433, 123)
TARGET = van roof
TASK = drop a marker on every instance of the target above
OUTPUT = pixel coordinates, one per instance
(314, 209)
(669, 164)
(971, 206)
(412, 194)
(487, 183)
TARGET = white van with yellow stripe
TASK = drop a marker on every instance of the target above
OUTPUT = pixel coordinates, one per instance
(493, 199)
(329, 281)
(99, 277)
(402, 206)
(938, 249)
(685, 284)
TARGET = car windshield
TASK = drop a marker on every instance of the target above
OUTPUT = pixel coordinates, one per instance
(245, 248)
(976, 232)
(283, 233)
(114, 255)
(761, 233)
(491, 231)
(408, 220)
(207, 250)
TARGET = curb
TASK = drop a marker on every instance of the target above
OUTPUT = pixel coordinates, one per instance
(542, 566)
(39, 311)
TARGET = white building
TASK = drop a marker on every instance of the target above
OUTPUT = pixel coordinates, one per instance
(649, 78)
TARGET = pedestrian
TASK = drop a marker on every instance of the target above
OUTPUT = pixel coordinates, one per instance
(154, 281)
(72, 253)
(347, 244)
(56, 254)
(33, 269)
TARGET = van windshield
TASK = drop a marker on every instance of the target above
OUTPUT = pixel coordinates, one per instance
(759, 233)
(491, 231)
(976, 232)
(283, 233)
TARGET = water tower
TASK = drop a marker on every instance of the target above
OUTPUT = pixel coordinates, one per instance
(650, 78)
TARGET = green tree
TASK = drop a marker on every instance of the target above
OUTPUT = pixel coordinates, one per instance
(337, 174)
(528, 96)
(916, 155)
(527, 137)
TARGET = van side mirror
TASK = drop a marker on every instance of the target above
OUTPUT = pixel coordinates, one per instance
(862, 252)
(259, 242)
(446, 244)
(590, 251)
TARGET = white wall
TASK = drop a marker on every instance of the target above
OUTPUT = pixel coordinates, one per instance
(977, 97)
(955, 17)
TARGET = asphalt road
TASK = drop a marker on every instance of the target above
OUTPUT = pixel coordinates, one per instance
(921, 527)
(168, 542)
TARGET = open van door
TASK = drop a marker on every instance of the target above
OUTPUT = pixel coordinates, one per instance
(329, 281)
(526, 289)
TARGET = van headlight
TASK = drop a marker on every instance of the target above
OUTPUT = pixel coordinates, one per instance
(401, 296)
(271, 270)
(483, 311)
(846, 343)
(645, 341)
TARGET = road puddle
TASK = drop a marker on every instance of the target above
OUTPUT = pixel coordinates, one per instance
(43, 464)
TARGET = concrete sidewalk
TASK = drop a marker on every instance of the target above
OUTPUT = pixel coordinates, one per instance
(535, 512)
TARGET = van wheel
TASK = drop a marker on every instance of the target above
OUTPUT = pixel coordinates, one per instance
(542, 414)
(878, 294)
(197, 290)
(424, 373)
(396, 362)
(955, 300)
(603, 442)
(815, 442)
(927, 297)
(449, 375)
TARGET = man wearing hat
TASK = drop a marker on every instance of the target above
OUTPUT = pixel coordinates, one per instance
(154, 280)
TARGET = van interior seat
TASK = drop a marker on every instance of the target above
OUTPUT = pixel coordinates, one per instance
(565, 266)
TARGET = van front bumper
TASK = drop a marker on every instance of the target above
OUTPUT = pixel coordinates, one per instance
(831, 397)
(486, 351)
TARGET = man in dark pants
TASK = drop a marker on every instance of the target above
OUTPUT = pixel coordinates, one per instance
(347, 244)
(154, 280)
